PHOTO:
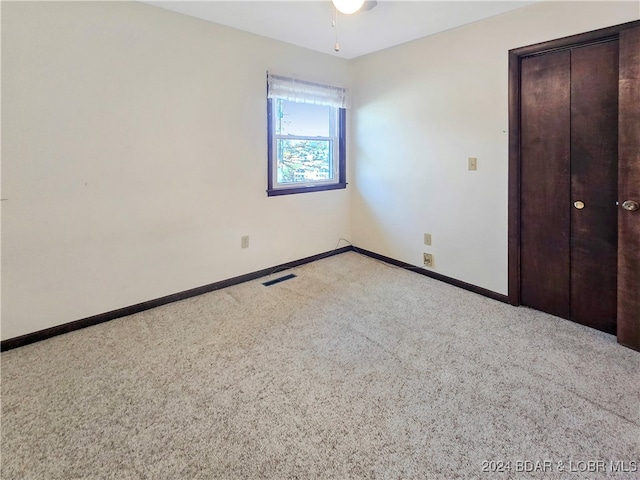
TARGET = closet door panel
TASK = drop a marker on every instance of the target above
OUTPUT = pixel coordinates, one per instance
(594, 181)
(545, 152)
(629, 184)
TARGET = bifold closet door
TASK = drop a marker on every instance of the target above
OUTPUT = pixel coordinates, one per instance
(569, 118)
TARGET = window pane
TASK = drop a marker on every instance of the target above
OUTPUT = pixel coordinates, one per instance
(302, 119)
(301, 161)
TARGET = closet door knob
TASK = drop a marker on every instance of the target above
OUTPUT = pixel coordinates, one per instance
(579, 205)
(630, 206)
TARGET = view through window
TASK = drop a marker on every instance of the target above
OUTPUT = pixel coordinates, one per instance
(306, 142)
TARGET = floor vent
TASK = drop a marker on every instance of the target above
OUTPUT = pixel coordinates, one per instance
(278, 280)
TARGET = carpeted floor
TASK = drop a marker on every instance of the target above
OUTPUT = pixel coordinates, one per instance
(353, 369)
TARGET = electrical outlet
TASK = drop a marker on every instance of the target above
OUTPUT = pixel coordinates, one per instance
(244, 242)
(427, 239)
(473, 163)
(428, 260)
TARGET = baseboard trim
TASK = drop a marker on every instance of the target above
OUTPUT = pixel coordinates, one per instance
(33, 337)
(437, 276)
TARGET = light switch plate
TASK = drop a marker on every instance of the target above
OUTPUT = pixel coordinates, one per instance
(473, 163)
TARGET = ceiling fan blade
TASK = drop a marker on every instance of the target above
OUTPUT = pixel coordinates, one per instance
(368, 5)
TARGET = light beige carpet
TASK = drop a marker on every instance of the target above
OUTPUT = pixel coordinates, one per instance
(354, 369)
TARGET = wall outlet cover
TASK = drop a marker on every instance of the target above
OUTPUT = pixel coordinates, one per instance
(428, 260)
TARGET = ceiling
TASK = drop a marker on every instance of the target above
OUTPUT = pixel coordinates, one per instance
(308, 23)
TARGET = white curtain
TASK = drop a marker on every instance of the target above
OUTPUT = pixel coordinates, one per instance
(298, 90)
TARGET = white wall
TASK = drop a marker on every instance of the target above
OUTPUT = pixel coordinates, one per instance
(134, 159)
(420, 110)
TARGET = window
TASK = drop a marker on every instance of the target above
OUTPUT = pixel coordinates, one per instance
(306, 136)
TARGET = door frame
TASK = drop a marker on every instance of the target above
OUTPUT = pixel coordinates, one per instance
(515, 57)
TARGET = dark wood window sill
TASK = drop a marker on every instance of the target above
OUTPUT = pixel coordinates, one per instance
(313, 188)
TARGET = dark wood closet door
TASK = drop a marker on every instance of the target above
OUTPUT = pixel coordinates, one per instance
(569, 110)
(629, 189)
(545, 189)
(594, 181)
